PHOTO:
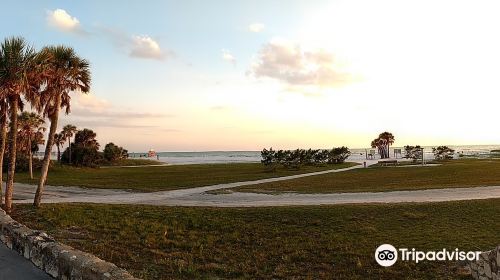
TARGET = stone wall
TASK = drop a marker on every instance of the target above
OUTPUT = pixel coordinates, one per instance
(488, 265)
(58, 260)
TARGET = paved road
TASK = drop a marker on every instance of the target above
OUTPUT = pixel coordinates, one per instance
(14, 267)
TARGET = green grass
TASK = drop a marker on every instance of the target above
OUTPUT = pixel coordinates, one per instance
(314, 242)
(454, 173)
(157, 178)
(133, 162)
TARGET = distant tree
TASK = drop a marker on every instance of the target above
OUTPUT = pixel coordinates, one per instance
(59, 140)
(113, 152)
(84, 150)
(413, 152)
(269, 158)
(30, 134)
(67, 132)
(296, 158)
(383, 143)
(321, 157)
(443, 152)
(338, 155)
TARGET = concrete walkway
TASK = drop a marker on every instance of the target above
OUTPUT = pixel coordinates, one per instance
(199, 196)
(14, 267)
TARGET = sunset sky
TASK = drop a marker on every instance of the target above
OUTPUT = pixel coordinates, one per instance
(243, 75)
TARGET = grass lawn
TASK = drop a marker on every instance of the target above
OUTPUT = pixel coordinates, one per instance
(314, 242)
(455, 173)
(157, 178)
(133, 162)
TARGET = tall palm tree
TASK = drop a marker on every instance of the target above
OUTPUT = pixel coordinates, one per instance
(66, 73)
(389, 139)
(17, 83)
(68, 131)
(59, 140)
(30, 124)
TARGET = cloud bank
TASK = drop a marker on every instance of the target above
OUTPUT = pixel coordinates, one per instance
(288, 63)
(89, 110)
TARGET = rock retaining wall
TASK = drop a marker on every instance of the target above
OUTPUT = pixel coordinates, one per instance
(488, 265)
(58, 260)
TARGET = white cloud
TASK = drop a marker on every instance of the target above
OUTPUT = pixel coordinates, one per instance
(136, 46)
(287, 62)
(256, 27)
(227, 56)
(146, 47)
(63, 21)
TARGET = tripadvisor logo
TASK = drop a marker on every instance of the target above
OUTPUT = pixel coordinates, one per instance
(387, 255)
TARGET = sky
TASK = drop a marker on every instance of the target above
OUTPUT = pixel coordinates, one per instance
(244, 75)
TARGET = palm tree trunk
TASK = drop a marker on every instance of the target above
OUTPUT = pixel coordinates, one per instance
(30, 158)
(9, 188)
(69, 149)
(58, 153)
(48, 149)
(3, 135)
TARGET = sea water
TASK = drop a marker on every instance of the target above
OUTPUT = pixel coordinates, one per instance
(254, 156)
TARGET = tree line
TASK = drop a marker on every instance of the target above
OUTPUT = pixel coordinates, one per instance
(294, 159)
(44, 80)
(386, 139)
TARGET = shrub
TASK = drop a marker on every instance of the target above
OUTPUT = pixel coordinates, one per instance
(113, 152)
(269, 158)
(85, 156)
(296, 158)
(338, 155)
(443, 152)
(84, 151)
(413, 152)
(22, 163)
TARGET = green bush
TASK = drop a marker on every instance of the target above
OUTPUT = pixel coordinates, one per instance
(413, 152)
(84, 151)
(22, 163)
(296, 158)
(114, 153)
(443, 152)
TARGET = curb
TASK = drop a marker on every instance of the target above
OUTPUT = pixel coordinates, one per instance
(56, 259)
(487, 267)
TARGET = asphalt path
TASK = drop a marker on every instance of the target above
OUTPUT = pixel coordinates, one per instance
(15, 267)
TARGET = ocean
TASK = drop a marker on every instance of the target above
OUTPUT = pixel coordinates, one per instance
(254, 156)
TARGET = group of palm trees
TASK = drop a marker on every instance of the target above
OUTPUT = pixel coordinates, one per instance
(42, 79)
(30, 133)
(383, 143)
(60, 138)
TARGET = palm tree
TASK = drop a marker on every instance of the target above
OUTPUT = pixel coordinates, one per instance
(30, 124)
(17, 83)
(59, 140)
(3, 135)
(383, 143)
(66, 73)
(68, 131)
